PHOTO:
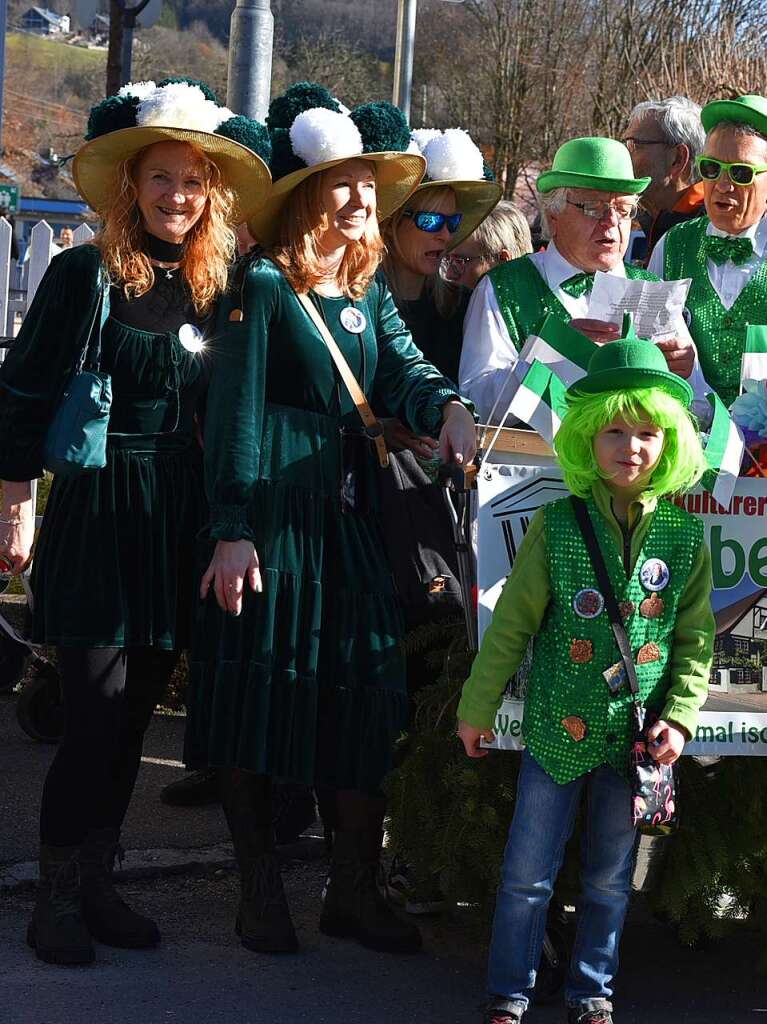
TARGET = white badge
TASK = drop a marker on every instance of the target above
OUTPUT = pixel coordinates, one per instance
(191, 338)
(353, 320)
(654, 574)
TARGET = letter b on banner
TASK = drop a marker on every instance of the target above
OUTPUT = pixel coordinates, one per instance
(723, 580)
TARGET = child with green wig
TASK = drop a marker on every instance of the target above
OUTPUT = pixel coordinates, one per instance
(626, 442)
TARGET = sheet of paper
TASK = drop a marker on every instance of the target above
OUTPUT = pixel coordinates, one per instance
(657, 305)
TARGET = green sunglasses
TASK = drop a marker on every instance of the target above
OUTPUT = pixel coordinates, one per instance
(739, 174)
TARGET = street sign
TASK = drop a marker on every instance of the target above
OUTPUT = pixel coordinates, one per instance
(84, 11)
(9, 198)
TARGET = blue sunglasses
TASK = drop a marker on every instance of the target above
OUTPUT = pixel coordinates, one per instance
(434, 222)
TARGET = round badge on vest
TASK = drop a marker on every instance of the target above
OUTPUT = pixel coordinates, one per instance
(352, 320)
(588, 603)
(191, 338)
(654, 574)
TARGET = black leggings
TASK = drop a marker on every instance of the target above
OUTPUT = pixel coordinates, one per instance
(109, 696)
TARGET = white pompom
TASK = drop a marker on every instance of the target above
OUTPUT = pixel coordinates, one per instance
(421, 137)
(179, 105)
(224, 114)
(453, 156)
(318, 135)
(138, 89)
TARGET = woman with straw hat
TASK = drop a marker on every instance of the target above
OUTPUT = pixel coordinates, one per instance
(298, 671)
(170, 172)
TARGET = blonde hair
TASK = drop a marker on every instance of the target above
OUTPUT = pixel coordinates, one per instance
(298, 252)
(446, 296)
(209, 247)
(505, 227)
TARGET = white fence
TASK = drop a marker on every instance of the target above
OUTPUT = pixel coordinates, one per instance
(18, 284)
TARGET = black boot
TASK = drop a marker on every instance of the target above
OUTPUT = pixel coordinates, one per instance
(263, 919)
(57, 931)
(108, 917)
(352, 905)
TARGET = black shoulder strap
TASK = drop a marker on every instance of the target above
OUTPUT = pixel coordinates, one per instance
(603, 579)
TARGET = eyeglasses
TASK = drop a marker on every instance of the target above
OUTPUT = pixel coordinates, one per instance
(631, 142)
(426, 220)
(596, 210)
(461, 262)
(739, 174)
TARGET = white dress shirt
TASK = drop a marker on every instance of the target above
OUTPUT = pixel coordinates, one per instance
(489, 355)
(729, 280)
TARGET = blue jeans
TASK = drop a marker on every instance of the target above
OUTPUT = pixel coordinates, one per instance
(544, 817)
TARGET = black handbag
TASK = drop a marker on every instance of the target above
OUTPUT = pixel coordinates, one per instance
(653, 785)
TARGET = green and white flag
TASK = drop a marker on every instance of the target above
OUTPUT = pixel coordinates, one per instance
(563, 349)
(540, 401)
(753, 363)
(723, 451)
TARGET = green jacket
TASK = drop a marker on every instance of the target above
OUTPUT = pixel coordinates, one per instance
(521, 608)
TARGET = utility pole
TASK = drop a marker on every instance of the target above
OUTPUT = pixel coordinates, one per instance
(122, 22)
(251, 39)
(403, 55)
(3, 26)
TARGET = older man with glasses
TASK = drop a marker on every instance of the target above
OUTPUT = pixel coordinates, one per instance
(588, 199)
(725, 253)
(665, 138)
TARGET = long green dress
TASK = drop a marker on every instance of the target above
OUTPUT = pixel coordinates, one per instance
(308, 683)
(115, 559)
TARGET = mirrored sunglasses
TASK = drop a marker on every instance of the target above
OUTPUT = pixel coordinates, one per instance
(426, 220)
(711, 169)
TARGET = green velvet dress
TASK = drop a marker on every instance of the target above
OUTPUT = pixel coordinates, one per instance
(308, 682)
(115, 559)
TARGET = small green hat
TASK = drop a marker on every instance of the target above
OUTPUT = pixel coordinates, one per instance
(630, 362)
(603, 164)
(743, 110)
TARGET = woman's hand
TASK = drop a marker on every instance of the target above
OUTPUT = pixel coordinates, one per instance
(397, 437)
(665, 742)
(232, 563)
(458, 437)
(470, 736)
(17, 526)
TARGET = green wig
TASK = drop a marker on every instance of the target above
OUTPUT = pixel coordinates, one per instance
(681, 464)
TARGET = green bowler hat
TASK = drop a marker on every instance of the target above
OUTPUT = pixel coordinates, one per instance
(743, 110)
(598, 163)
(630, 362)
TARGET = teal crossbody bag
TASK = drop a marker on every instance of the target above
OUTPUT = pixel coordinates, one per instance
(76, 441)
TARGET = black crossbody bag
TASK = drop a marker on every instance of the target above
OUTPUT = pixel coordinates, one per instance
(653, 785)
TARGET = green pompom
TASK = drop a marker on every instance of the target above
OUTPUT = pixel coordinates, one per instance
(283, 110)
(112, 114)
(205, 89)
(248, 133)
(487, 171)
(383, 127)
(284, 160)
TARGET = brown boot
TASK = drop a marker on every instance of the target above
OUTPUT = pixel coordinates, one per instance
(57, 932)
(107, 915)
(263, 919)
(352, 905)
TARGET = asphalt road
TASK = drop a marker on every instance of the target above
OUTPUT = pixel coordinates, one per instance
(149, 825)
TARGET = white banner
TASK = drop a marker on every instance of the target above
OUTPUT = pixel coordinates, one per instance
(734, 720)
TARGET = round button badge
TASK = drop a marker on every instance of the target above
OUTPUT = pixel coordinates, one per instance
(352, 320)
(588, 603)
(191, 338)
(654, 574)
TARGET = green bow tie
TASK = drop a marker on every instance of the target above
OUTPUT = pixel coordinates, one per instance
(719, 250)
(578, 285)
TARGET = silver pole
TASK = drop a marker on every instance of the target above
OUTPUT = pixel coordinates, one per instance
(403, 55)
(3, 20)
(250, 58)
